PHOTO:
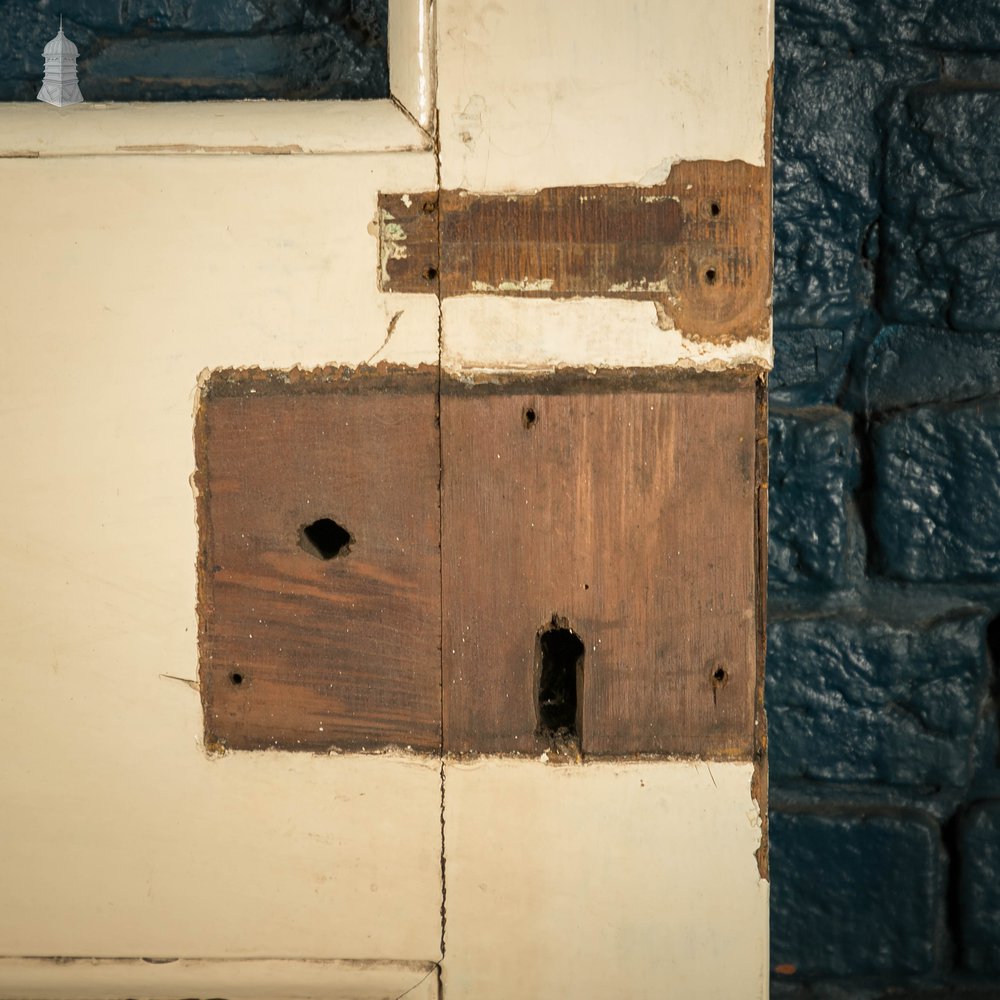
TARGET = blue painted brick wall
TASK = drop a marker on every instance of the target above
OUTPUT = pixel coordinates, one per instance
(885, 501)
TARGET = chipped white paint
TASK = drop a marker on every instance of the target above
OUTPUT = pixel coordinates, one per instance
(493, 334)
(603, 880)
(524, 285)
(252, 979)
(120, 836)
(392, 240)
(537, 94)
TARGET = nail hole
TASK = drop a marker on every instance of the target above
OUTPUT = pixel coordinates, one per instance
(324, 539)
(720, 675)
(429, 207)
(711, 275)
(560, 654)
(715, 209)
(530, 417)
(430, 273)
(236, 679)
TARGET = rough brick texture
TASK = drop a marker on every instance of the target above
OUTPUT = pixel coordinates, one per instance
(910, 365)
(980, 887)
(884, 643)
(937, 497)
(180, 50)
(814, 468)
(854, 698)
(943, 202)
(855, 896)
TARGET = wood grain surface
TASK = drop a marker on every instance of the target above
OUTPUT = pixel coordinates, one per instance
(698, 245)
(629, 514)
(297, 651)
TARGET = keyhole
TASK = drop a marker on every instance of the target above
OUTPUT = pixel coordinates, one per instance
(560, 682)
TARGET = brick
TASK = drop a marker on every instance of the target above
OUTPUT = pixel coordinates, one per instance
(854, 895)
(909, 365)
(808, 365)
(824, 196)
(937, 498)
(979, 881)
(862, 700)
(852, 24)
(963, 24)
(942, 230)
(814, 467)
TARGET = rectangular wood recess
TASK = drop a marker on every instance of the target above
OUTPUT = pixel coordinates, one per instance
(370, 578)
(319, 584)
(626, 516)
(697, 244)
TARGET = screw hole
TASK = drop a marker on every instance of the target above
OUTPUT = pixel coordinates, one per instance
(715, 208)
(430, 273)
(720, 675)
(530, 417)
(324, 539)
(711, 275)
(236, 679)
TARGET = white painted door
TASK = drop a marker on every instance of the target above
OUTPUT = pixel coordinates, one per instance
(145, 245)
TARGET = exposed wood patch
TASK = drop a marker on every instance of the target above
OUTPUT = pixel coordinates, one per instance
(698, 245)
(319, 589)
(625, 514)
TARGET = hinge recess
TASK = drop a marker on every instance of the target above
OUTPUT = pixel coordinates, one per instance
(698, 245)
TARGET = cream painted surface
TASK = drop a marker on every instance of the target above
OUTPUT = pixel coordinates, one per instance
(122, 280)
(602, 880)
(253, 979)
(534, 94)
(214, 127)
(412, 58)
(486, 333)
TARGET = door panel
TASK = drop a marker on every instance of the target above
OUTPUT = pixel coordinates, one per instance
(125, 277)
(142, 252)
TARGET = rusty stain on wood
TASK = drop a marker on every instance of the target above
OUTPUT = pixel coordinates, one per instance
(304, 644)
(627, 512)
(698, 246)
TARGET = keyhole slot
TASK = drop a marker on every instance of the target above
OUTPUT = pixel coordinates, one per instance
(560, 680)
